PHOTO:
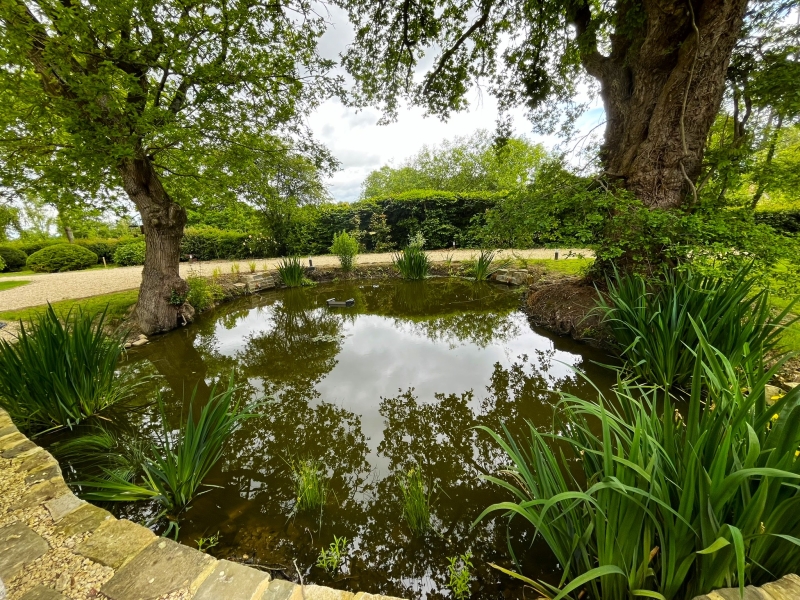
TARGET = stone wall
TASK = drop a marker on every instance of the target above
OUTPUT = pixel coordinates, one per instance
(54, 546)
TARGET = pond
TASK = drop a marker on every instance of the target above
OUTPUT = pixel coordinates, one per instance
(397, 382)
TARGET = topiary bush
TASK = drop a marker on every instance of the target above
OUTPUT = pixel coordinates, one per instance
(14, 259)
(129, 254)
(61, 257)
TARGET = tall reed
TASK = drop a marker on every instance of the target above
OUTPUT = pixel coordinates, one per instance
(669, 506)
(412, 262)
(178, 461)
(416, 502)
(483, 269)
(62, 371)
(291, 271)
(651, 322)
(310, 488)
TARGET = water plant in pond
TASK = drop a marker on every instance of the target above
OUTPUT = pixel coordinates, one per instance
(416, 502)
(412, 263)
(178, 461)
(459, 570)
(205, 543)
(310, 489)
(345, 246)
(483, 269)
(671, 505)
(652, 324)
(61, 372)
(332, 558)
(291, 271)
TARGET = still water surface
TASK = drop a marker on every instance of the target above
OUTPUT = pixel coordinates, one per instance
(400, 380)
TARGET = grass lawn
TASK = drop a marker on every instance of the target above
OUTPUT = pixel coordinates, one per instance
(8, 285)
(572, 266)
(26, 272)
(17, 273)
(118, 304)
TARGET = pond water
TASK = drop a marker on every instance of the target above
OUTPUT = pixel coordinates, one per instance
(398, 381)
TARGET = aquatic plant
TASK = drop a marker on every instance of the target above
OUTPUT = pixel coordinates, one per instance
(205, 543)
(459, 569)
(202, 293)
(670, 504)
(291, 271)
(345, 246)
(332, 558)
(483, 269)
(412, 262)
(416, 502)
(310, 489)
(176, 462)
(652, 322)
(60, 372)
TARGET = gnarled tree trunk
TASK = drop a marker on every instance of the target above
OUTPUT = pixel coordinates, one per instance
(160, 306)
(662, 84)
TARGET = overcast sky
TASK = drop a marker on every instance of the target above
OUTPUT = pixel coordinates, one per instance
(361, 145)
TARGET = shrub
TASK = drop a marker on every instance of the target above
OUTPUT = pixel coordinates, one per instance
(412, 263)
(131, 253)
(14, 259)
(202, 293)
(667, 506)
(2, 263)
(345, 246)
(59, 373)
(61, 257)
(291, 271)
(653, 322)
(209, 243)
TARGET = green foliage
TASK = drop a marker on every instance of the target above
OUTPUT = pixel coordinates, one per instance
(178, 461)
(482, 268)
(416, 502)
(309, 485)
(202, 293)
(9, 285)
(477, 163)
(345, 246)
(412, 263)
(102, 247)
(209, 243)
(2, 263)
(459, 569)
(205, 543)
(291, 271)
(116, 305)
(670, 504)
(61, 257)
(12, 258)
(653, 322)
(61, 371)
(332, 559)
(131, 253)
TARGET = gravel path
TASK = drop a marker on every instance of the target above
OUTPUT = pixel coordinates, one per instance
(52, 287)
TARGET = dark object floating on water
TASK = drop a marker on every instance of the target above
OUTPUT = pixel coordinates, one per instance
(334, 303)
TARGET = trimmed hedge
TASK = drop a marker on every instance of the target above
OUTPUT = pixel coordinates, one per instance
(209, 243)
(386, 223)
(103, 248)
(14, 259)
(129, 254)
(61, 257)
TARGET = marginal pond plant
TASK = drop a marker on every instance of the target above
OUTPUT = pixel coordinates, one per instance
(459, 570)
(62, 371)
(291, 271)
(345, 246)
(416, 501)
(655, 325)
(177, 461)
(412, 262)
(332, 558)
(670, 504)
(309, 483)
(483, 266)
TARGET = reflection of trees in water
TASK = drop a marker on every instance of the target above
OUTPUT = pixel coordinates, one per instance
(474, 327)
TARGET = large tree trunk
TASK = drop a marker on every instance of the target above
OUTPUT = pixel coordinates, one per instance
(160, 306)
(662, 84)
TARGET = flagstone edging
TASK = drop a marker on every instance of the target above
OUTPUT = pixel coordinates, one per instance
(54, 546)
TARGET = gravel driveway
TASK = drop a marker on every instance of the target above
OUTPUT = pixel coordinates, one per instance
(52, 287)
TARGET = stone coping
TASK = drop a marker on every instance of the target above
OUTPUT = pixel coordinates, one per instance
(55, 546)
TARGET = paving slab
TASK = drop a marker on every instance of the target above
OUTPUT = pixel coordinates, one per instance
(36, 461)
(787, 588)
(318, 592)
(18, 449)
(280, 589)
(42, 475)
(161, 568)
(7, 430)
(366, 596)
(83, 519)
(61, 506)
(41, 592)
(41, 492)
(10, 440)
(116, 543)
(233, 581)
(19, 545)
